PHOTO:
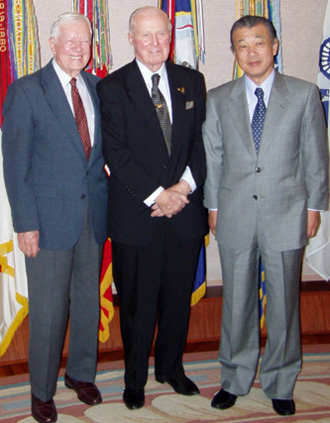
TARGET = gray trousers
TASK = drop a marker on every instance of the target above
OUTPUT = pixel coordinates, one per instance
(239, 347)
(63, 284)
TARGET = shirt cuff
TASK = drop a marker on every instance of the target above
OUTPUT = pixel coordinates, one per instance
(151, 199)
(187, 176)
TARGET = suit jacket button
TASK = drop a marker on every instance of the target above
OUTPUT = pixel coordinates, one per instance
(255, 197)
(258, 169)
(83, 197)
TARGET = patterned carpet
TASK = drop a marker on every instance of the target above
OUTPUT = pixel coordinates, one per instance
(312, 397)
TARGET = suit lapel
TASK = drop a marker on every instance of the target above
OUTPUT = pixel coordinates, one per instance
(58, 102)
(97, 118)
(239, 111)
(278, 103)
(140, 98)
(178, 97)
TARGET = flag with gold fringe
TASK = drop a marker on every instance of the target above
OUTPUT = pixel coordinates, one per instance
(318, 249)
(100, 64)
(187, 48)
(269, 9)
(19, 55)
(187, 33)
(97, 12)
(106, 300)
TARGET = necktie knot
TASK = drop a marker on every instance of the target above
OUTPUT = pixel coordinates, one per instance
(155, 80)
(73, 83)
(259, 92)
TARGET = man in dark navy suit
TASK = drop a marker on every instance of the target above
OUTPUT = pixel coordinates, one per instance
(57, 192)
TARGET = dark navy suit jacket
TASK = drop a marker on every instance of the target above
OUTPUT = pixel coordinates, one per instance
(47, 177)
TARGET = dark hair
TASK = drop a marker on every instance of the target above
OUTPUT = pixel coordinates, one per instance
(249, 21)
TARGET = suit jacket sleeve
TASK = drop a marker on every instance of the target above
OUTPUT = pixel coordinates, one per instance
(314, 152)
(196, 161)
(17, 145)
(212, 137)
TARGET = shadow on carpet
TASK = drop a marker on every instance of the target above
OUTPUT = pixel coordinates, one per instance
(312, 397)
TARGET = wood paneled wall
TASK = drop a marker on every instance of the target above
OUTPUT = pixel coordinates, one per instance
(205, 322)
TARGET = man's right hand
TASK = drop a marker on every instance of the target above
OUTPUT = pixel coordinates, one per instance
(213, 214)
(28, 242)
(168, 203)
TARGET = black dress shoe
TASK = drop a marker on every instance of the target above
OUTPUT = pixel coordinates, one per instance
(284, 407)
(87, 392)
(182, 386)
(43, 411)
(133, 398)
(223, 400)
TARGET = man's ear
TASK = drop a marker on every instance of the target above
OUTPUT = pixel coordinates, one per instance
(275, 46)
(51, 44)
(130, 39)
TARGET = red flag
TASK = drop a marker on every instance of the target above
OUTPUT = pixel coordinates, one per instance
(106, 300)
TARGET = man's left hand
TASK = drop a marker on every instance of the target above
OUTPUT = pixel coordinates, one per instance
(313, 222)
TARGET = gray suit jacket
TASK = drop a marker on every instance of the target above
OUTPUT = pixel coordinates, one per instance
(47, 177)
(289, 175)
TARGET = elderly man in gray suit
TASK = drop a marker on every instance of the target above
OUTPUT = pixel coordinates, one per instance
(267, 180)
(57, 188)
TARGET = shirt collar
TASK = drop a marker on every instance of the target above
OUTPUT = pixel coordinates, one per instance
(63, 76)
(147, 73)
(266, 86)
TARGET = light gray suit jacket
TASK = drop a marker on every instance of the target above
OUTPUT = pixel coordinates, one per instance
(47, 177)
(289, 175)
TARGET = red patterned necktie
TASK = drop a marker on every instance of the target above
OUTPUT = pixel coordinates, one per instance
(80, 117)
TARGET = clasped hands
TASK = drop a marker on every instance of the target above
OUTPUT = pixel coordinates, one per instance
(172, 200)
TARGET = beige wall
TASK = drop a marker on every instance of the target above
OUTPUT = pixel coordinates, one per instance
(302, 22)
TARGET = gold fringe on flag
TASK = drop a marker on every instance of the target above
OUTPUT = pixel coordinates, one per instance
(269, 9)
(97, 11)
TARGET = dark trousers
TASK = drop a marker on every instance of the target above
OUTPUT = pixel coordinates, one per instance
(155, 281)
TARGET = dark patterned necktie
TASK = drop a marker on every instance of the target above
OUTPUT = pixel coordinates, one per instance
(162, 111)
(258, 118)
(80, 117)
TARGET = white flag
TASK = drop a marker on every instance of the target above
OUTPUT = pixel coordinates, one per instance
(13, 281)
(318, 250)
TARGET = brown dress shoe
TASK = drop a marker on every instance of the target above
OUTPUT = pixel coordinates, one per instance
(43, 411)
(87, 392)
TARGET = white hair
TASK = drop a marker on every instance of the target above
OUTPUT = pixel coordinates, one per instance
(65, 18)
